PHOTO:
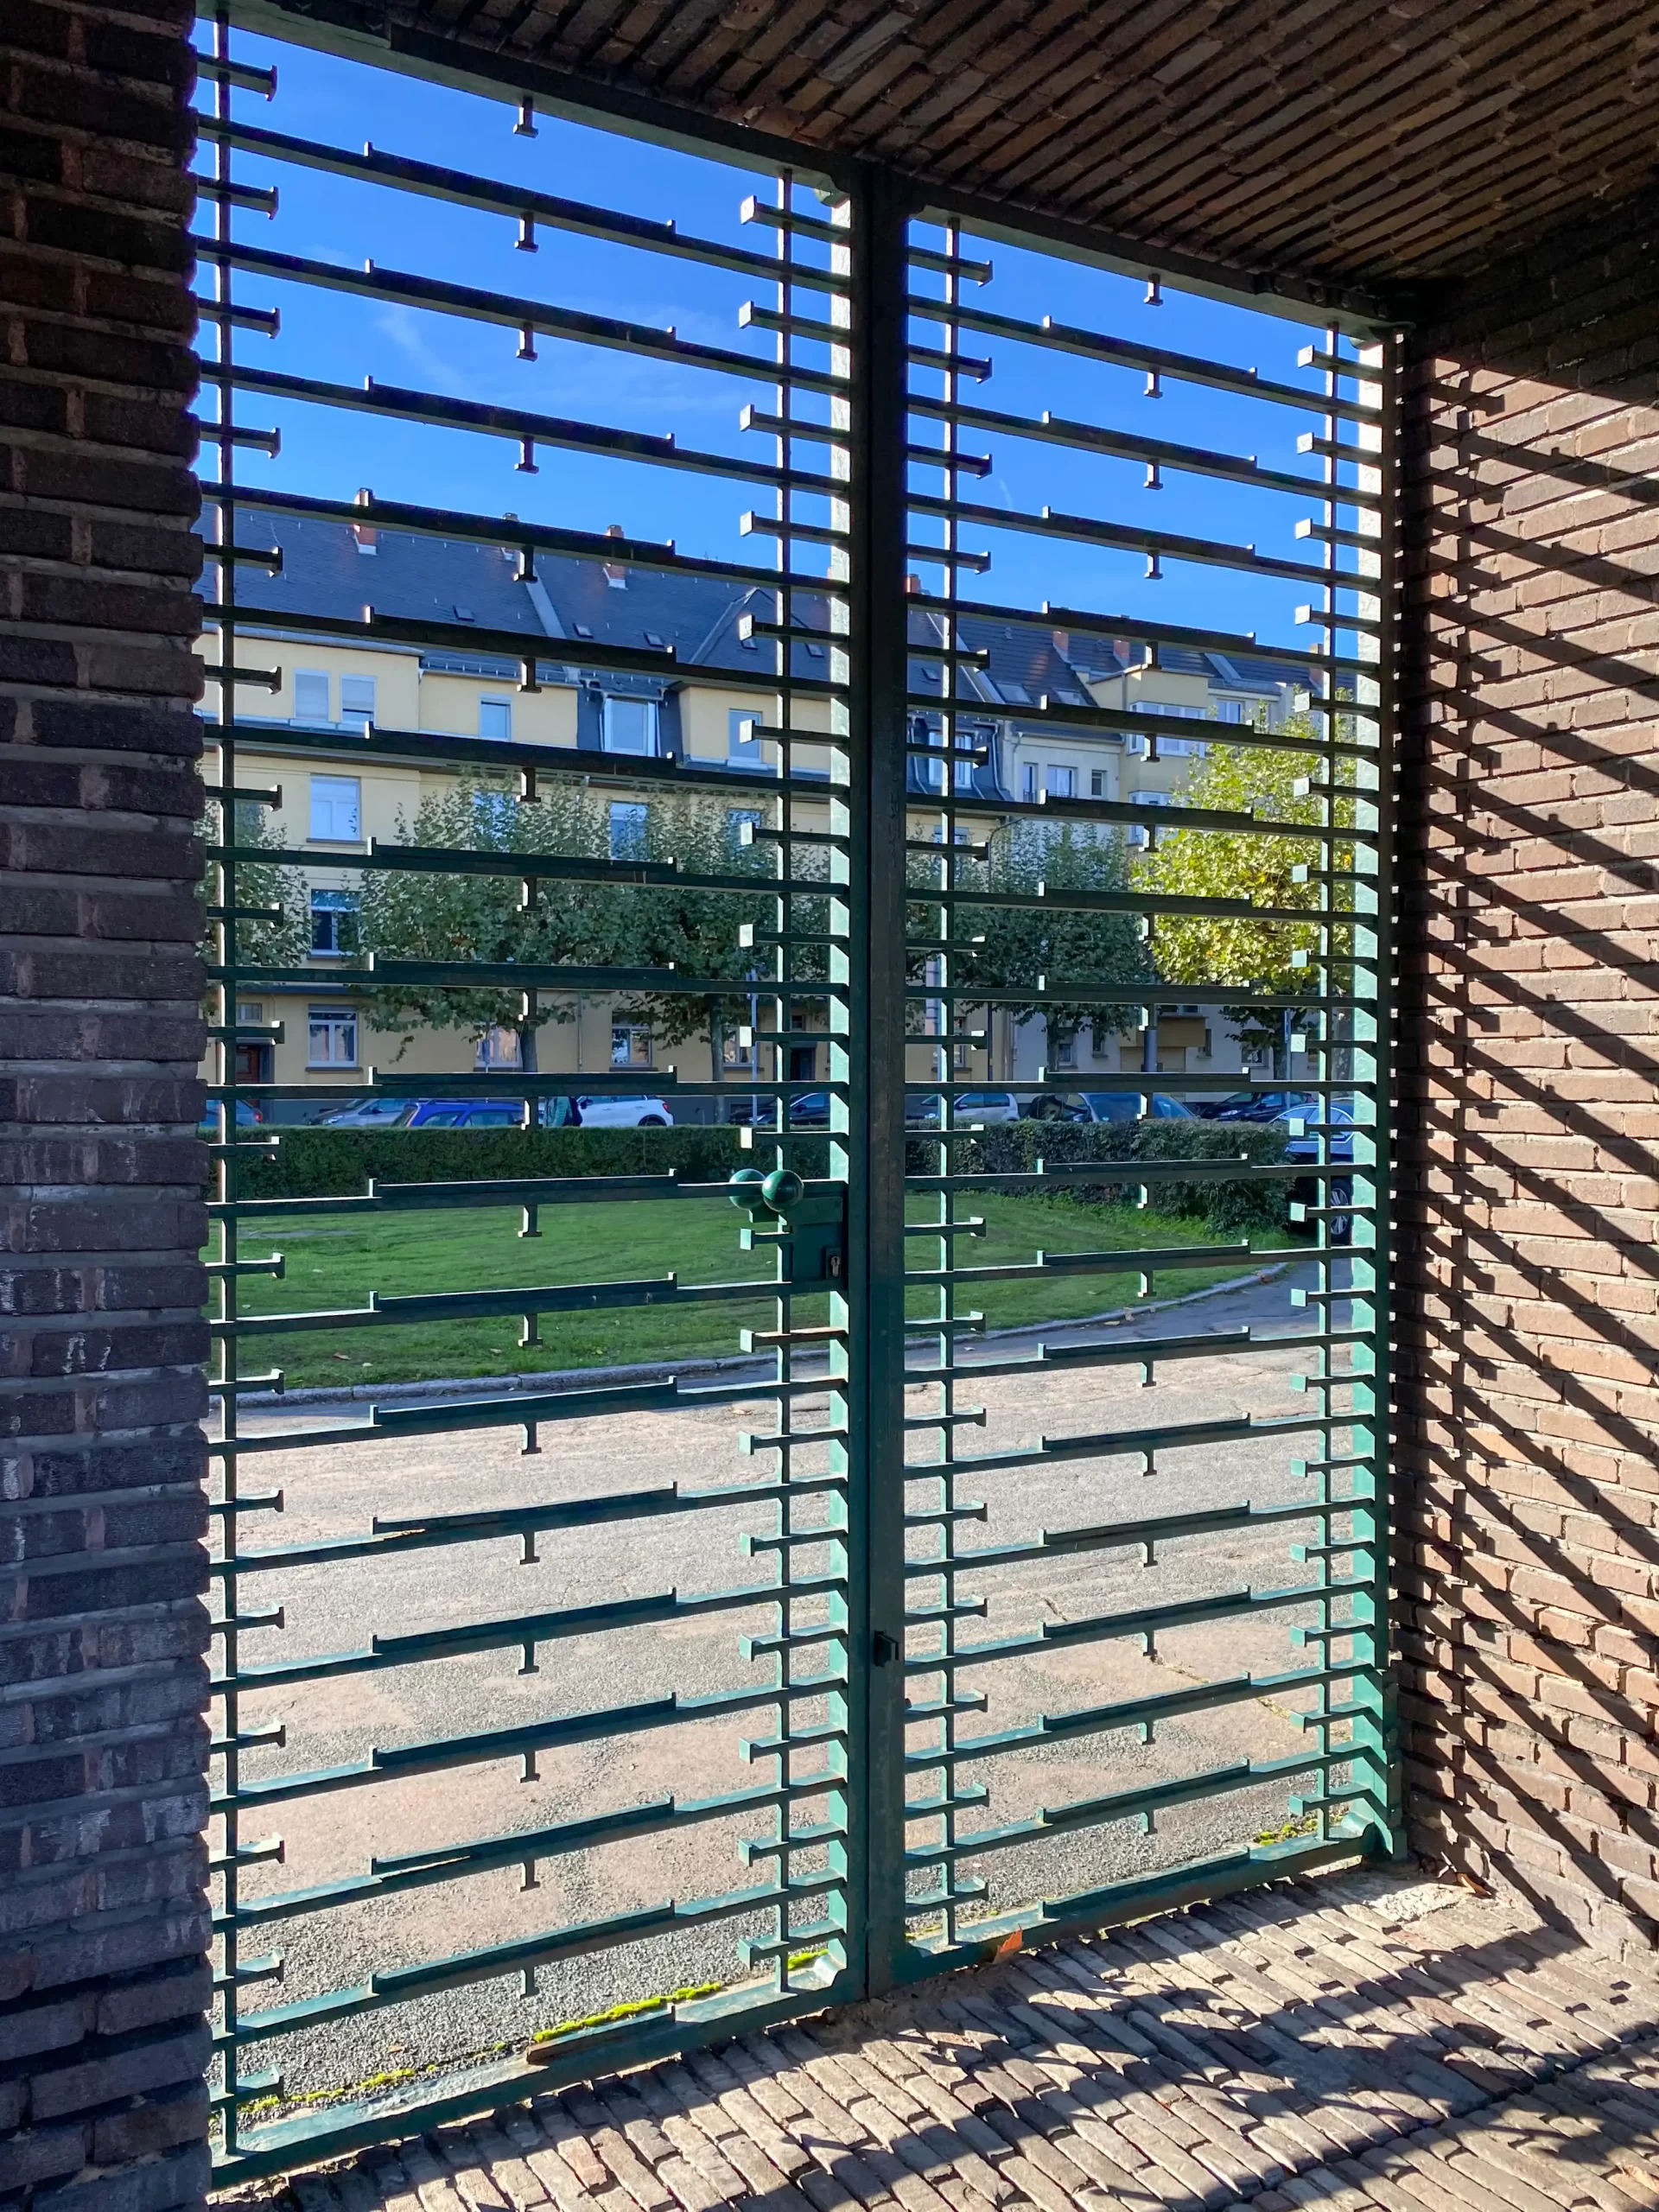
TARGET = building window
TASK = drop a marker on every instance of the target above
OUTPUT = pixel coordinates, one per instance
(500, 1048)
(336, 810)
(1028, 785)
(357, 698)
(743, 747)
(630, 830)
(248, 1011)
(733, 1052)
(331, 1037)
(1063, 1050)
(1062, 782)
(495, 718)
(630, 1046)
(311, 695)
(333, 923)
(630, 725)
(1140, 834)
(1097, 783)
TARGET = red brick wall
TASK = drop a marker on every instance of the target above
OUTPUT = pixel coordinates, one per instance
(1528, 1313)
(103, 1980)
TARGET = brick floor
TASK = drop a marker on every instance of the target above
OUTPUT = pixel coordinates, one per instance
(1368, 2043)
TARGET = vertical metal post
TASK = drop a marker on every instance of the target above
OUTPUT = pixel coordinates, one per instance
(1374, 1731)
(877, 1194)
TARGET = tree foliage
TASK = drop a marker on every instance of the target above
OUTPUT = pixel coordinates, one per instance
(1197, 948)
(1027, 945)
(262, 883)
(487, 917)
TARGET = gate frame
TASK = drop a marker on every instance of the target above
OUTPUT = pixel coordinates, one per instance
(883, 202)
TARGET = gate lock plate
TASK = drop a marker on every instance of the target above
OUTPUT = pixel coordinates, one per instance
(806, 1221)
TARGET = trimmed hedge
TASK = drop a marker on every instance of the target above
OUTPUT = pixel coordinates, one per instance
(336, 1163)
(1229, 1208)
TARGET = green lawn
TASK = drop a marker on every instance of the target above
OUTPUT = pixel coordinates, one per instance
(335, 1262)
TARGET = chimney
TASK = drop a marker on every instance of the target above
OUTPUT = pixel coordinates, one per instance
(912, 587)
(366, 535)
(1063, 643)
(615, 575)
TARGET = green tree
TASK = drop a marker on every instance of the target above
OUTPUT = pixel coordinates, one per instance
(1027, 944)
(261, 884)
(579, 921)
(1281, 957)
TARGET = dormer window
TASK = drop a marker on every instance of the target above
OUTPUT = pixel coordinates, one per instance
(651, 639)
(582, 630)
(465, 615)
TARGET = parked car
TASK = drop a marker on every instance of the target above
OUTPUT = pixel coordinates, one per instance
(1103, 1106)
(1259, 1106)
(606, 1113)
(372, 1114)
(248, 1117)
(809, 1110)
(1336, 1190)
(1125, 1106)
(988, 1106)
(467, 1113)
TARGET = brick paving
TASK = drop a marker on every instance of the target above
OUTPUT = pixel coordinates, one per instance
(1359, 2043)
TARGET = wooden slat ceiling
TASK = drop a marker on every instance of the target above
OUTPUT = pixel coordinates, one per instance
(1374, 141)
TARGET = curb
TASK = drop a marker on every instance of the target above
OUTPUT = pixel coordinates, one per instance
(601, 1378)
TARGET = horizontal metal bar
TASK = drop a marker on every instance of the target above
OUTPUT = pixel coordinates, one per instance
(405, 288)
(501, 1191)
(499, 755)
(1049, 713)
(443, 411)
(1123, 445)
(529, 537)
(1144, 1803)
(528, 1630)
(1144, 1620)
(487, 1524)
(398, 1984)
(1111, 1443)
(1149, 812)
(1136, 1712)
(1125, 353)
(373, 166)
(1092, 529)
(1230, 643)
(1117, 1534)
(1135, 1351)
(451, 1862)
(479, 1748)
(1149, 1259)
(468, 1305)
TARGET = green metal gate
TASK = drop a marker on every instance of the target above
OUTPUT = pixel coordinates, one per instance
(444, 1635)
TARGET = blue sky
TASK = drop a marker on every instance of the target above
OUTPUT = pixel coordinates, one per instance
(334, 336)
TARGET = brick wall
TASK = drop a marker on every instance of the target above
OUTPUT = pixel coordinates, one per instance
(103, 1980)
(1529, 1300)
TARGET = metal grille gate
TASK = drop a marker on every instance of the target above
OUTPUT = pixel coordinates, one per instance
(891, 1766)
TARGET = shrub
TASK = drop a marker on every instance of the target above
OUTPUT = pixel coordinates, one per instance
(336, 1163)
(1229, 1206)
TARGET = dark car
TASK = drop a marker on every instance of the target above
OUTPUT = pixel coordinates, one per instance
(467, 1113)
(1125, 1106)
(248, 1117)
(1332, 1191)
(1259, 1106)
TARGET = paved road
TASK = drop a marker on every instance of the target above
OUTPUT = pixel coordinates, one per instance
(340, 1490)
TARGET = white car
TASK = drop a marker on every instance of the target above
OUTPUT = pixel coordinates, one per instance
(986, 1106)
(372, 1113)
(607, 1113)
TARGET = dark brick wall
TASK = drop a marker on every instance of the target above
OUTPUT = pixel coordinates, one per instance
(103, 1980)
(1529, 1293)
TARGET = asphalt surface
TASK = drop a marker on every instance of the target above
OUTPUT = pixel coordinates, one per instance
(339, 1491)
